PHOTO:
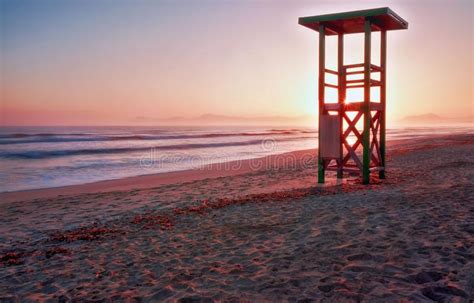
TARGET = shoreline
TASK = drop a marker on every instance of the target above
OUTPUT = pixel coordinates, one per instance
(148, 181)
(215, 170)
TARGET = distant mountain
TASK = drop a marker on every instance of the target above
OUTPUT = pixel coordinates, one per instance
(207, 119)
(214, 117)
(424, 118)
(433, 118)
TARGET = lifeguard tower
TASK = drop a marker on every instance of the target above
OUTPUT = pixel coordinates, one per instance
(340, 137)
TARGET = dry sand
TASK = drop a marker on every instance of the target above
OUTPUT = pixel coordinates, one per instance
(257, 235)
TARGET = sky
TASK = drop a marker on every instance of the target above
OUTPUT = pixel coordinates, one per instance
(95, 62)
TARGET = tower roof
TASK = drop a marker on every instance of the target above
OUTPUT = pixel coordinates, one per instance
(353, 22)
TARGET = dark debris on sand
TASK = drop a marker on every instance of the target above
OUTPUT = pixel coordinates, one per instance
(83, 233)
(18, 257)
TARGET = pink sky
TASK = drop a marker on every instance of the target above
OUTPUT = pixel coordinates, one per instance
(90, 62)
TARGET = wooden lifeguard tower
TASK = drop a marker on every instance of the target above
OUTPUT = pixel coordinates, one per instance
(338, 120)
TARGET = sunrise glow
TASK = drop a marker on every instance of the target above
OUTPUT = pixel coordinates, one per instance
(145, 61)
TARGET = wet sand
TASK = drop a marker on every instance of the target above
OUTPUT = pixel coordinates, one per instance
(266, 234)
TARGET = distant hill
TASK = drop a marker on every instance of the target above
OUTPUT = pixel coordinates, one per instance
(433, 118)
(424, 118)
(215, 119)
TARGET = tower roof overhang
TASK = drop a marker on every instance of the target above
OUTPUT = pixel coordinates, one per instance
(353, 22)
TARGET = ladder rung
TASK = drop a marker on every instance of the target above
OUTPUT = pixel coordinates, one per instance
(373, 68)
(355, 86)
(372, 83)
(354, 65)
(331, 71)
(331, 85)
(355, 72)
(355, 81)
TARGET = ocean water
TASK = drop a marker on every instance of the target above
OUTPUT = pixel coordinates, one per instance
(42, 157)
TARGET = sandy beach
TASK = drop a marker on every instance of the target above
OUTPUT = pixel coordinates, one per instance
(261, 230)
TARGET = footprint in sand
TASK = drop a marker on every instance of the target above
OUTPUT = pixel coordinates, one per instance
(426, 276)
(442, 293)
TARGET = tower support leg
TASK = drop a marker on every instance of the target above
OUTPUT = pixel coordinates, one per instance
(383, 74)
(320, 170)
(322, 66)
(341, 98)
(366, 108)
